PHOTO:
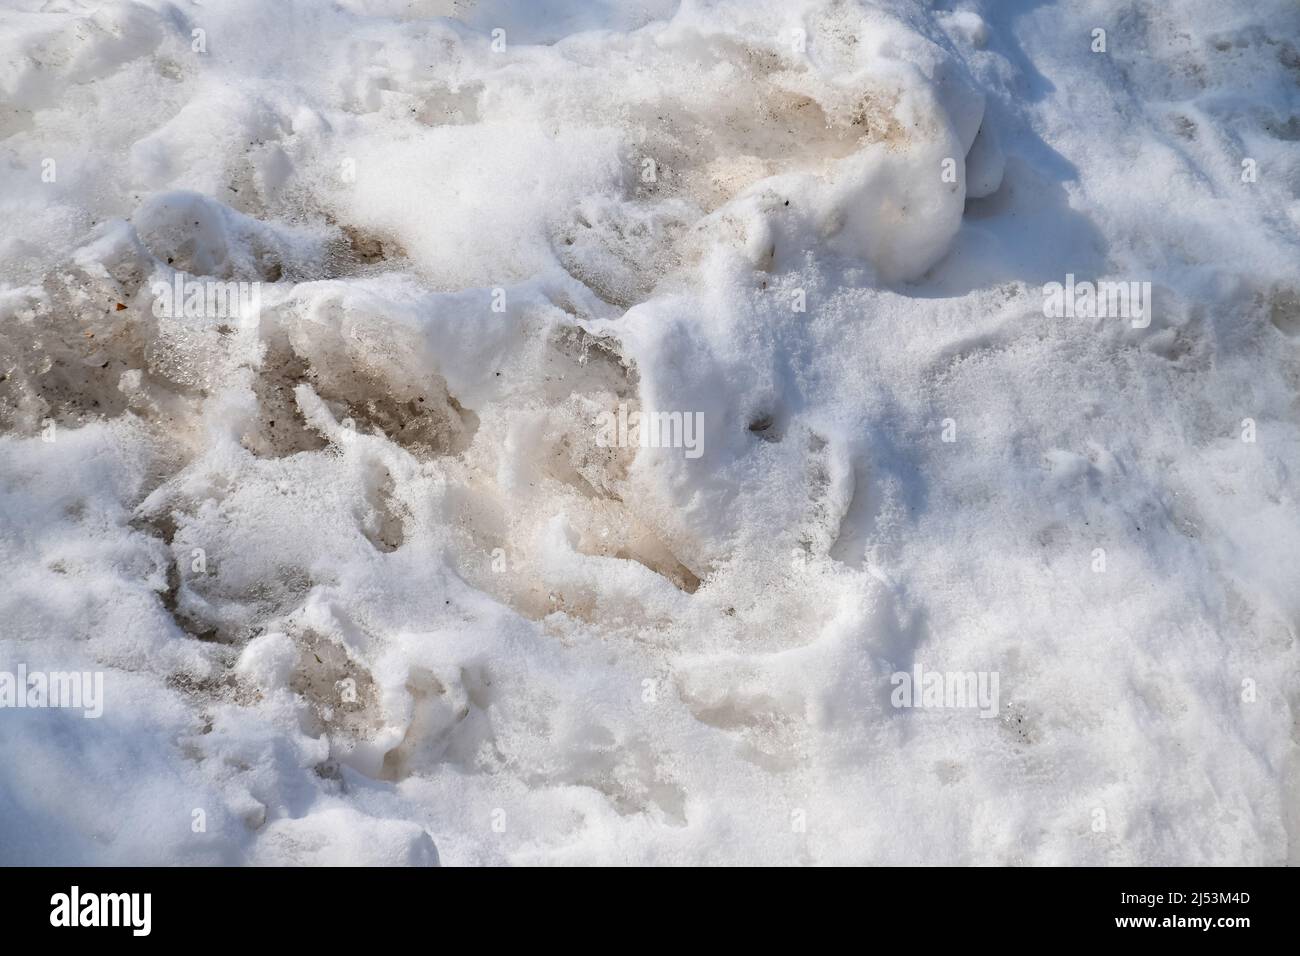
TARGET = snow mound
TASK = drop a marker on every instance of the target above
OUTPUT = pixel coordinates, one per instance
(374, 568)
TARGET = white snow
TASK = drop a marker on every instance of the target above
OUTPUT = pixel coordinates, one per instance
(364, 581)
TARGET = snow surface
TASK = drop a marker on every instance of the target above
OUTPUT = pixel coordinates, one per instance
(563, 652)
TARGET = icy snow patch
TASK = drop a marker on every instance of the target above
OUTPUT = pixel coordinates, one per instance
(363, 578)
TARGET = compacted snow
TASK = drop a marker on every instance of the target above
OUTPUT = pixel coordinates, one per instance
(375, 565)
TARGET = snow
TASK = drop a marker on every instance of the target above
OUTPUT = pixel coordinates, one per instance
(367, 584)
